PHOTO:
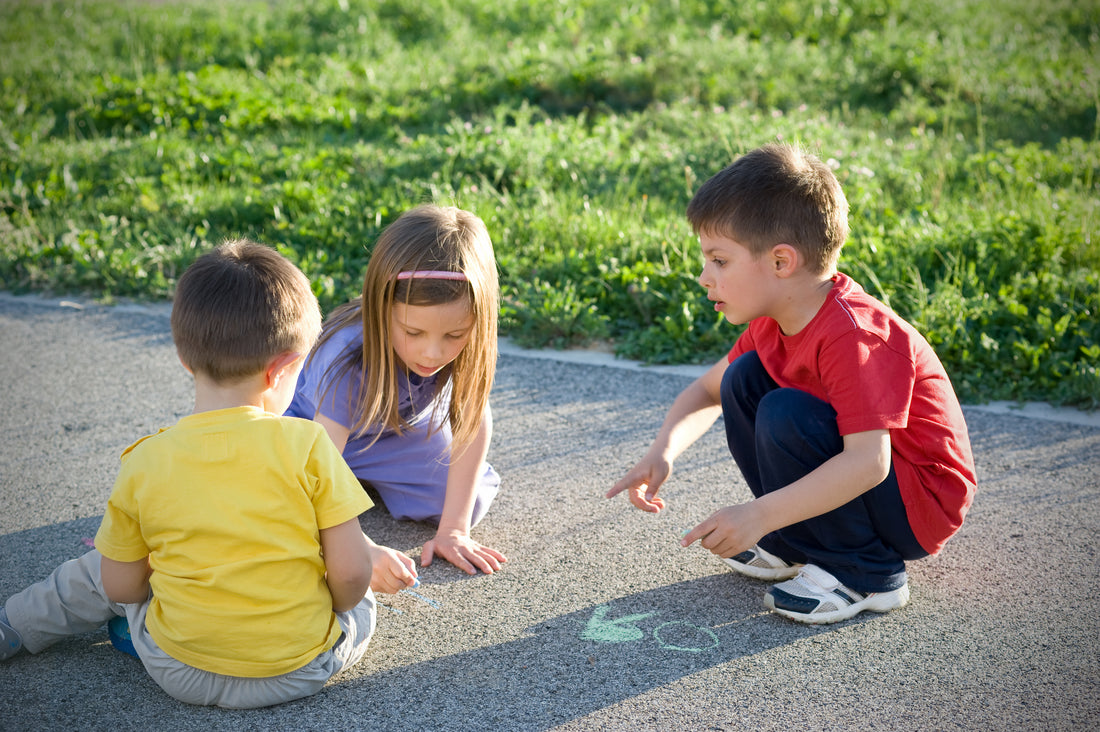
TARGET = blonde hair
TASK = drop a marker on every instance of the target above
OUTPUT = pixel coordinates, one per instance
(776, 194)
(237, 307)
(425, 238)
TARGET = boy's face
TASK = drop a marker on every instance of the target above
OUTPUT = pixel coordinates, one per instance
(739, 284)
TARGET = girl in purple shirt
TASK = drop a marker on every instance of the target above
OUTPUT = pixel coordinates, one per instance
(401, 376)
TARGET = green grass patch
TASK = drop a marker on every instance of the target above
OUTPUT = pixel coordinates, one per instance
(135, 135)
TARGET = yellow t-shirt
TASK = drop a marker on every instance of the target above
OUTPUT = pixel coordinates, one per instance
(228, 506)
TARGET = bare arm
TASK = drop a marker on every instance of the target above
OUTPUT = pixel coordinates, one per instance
(348, 565)
(337, 432)
(452, 540)
(690, 416)
(863, 464)
(125, 582)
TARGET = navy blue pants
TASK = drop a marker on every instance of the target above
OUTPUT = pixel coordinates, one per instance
(778, 435)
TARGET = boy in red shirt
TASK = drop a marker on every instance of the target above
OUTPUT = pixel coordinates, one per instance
(838, 413)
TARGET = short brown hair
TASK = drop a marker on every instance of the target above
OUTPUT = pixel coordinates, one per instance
(776, 194)
(239, 306)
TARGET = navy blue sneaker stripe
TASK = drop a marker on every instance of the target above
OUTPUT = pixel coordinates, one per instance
(846, 597)
(793, 603)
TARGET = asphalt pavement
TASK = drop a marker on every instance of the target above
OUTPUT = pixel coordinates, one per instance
(599, 621)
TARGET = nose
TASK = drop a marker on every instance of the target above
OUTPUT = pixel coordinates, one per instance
(702, 279)
(434, 349)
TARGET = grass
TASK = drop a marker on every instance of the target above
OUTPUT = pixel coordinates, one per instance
(135, 135)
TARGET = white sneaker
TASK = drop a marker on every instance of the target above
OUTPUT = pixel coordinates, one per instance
(762, 564)
(815, 596)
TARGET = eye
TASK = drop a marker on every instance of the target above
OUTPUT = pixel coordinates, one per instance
(718, 261)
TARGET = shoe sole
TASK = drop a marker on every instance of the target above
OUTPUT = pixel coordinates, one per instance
(882, 602)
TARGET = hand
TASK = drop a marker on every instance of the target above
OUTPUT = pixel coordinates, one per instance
(393, 571)
(642, 482)
(463, 552)
(727, 531)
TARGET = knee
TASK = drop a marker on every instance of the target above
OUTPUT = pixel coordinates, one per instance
(786, 412)
(785, 403)
(776, 415)
(742, 373)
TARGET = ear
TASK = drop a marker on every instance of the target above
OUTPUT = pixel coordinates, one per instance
(785, 260)
(278, 366)
(184, 364)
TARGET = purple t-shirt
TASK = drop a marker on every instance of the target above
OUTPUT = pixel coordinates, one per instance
(409, 471)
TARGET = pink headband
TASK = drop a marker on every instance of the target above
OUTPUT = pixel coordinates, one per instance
(431, 274)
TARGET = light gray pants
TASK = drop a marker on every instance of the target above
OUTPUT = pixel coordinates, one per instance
(71, 601)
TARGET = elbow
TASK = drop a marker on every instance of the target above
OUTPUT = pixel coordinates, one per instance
(345, 598)
(128, 598)
(350, 589)
(877, 458)
(867, 457)
(126, 594)
(882, 468)
(125, 583)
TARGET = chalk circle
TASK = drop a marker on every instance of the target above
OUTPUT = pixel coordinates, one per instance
(696, 630)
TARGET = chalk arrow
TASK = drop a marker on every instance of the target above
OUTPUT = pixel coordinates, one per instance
(613, 631)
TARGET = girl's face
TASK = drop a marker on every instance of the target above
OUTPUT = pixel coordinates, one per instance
(428, 337)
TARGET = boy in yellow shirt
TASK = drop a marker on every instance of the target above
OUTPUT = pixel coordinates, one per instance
(231, 541)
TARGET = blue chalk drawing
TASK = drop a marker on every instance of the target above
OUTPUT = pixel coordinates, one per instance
(613, 631)
(622, 630)
(712, 637)
(434, 603)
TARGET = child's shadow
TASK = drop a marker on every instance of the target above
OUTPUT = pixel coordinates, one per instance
(560, 669)
(574, 664)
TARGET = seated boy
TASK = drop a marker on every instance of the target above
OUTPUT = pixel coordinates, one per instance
(231, 541)
(838, 413)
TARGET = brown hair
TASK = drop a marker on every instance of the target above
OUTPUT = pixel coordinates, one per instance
(237, 307)
(433, 238)
(776, 194)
